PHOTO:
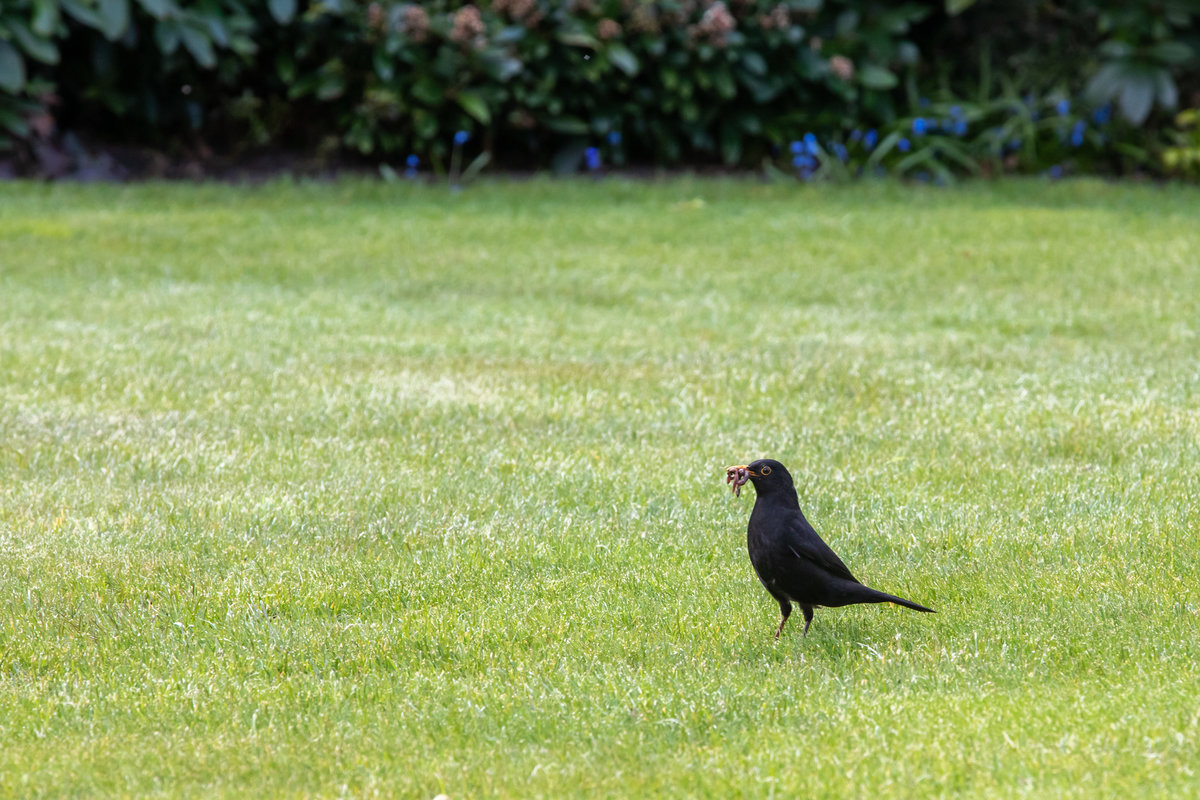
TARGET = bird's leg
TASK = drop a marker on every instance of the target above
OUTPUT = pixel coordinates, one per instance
(808, 614)
(785, 608)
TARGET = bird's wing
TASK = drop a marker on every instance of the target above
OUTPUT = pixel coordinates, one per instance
(808, 546)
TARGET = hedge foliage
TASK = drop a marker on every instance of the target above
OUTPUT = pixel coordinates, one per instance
(964, 87)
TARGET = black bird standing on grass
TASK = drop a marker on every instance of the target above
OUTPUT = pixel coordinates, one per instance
(790, 558)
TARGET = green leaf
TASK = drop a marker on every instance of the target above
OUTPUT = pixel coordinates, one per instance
(427, 91)
(510, 35)
(14, 123)
(199, 45)
(383, 65)
(1115, 48)
(166, 33)
(114, 18)
(1166, 92)
(217, 31)
(579, 40)
(726, 88)
(883, 148)
(847, 22)
(82, 13)
(37, 47)
(156, 8)
(285, 67)
(476, 166)
(330, 85)
(573, 126)
(754, 63)
(282, 10)
(1104, 85)
(763, 90)
(12, 68)
(475, 105)
(45, 17)
(876, 77)
(1174, 52)
(958, 6)
(1136, 96)
(623, 59)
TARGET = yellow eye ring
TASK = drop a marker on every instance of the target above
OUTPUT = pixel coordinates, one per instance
(765, 470)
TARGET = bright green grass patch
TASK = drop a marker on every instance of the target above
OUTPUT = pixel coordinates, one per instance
(377, 490)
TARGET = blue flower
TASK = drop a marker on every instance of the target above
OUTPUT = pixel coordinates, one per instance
(592, 156)
(1063, 108)
(960, 127)
(462, 137)
(840, 151)
(810, 140)
(1056, 171)
(904, 145)
(956, 112)
(802, 161)
(614, 138)
(1077, 133)
(855, 135)
(924, 176)
(918, 126)
(412, 161)
(1102, 114)
(870, 138)
(796, 147)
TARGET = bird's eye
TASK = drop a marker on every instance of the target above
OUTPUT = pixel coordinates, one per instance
(765, 470)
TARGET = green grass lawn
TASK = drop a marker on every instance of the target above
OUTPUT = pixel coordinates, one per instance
(369, 490)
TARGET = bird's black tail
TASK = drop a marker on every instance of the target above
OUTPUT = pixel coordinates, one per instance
(877, 596)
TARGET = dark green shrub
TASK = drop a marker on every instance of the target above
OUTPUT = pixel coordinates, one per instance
(534, 82)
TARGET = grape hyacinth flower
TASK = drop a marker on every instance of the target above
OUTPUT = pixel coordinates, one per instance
(1063, 107)
(1102, 114)
(796, 147)
(810, 141)
(1056, 171)
(870, 138)
(918, 126)
(840, 151)
(592, 157)
(1077, 133)
(904, 145)
(411, 164)
(461, 138)
(960, 127)
(856, 136)
(614, 138)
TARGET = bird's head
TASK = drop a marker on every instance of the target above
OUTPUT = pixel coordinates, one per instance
(766, 474)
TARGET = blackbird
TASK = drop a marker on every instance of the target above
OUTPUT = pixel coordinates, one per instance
(791, 560)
